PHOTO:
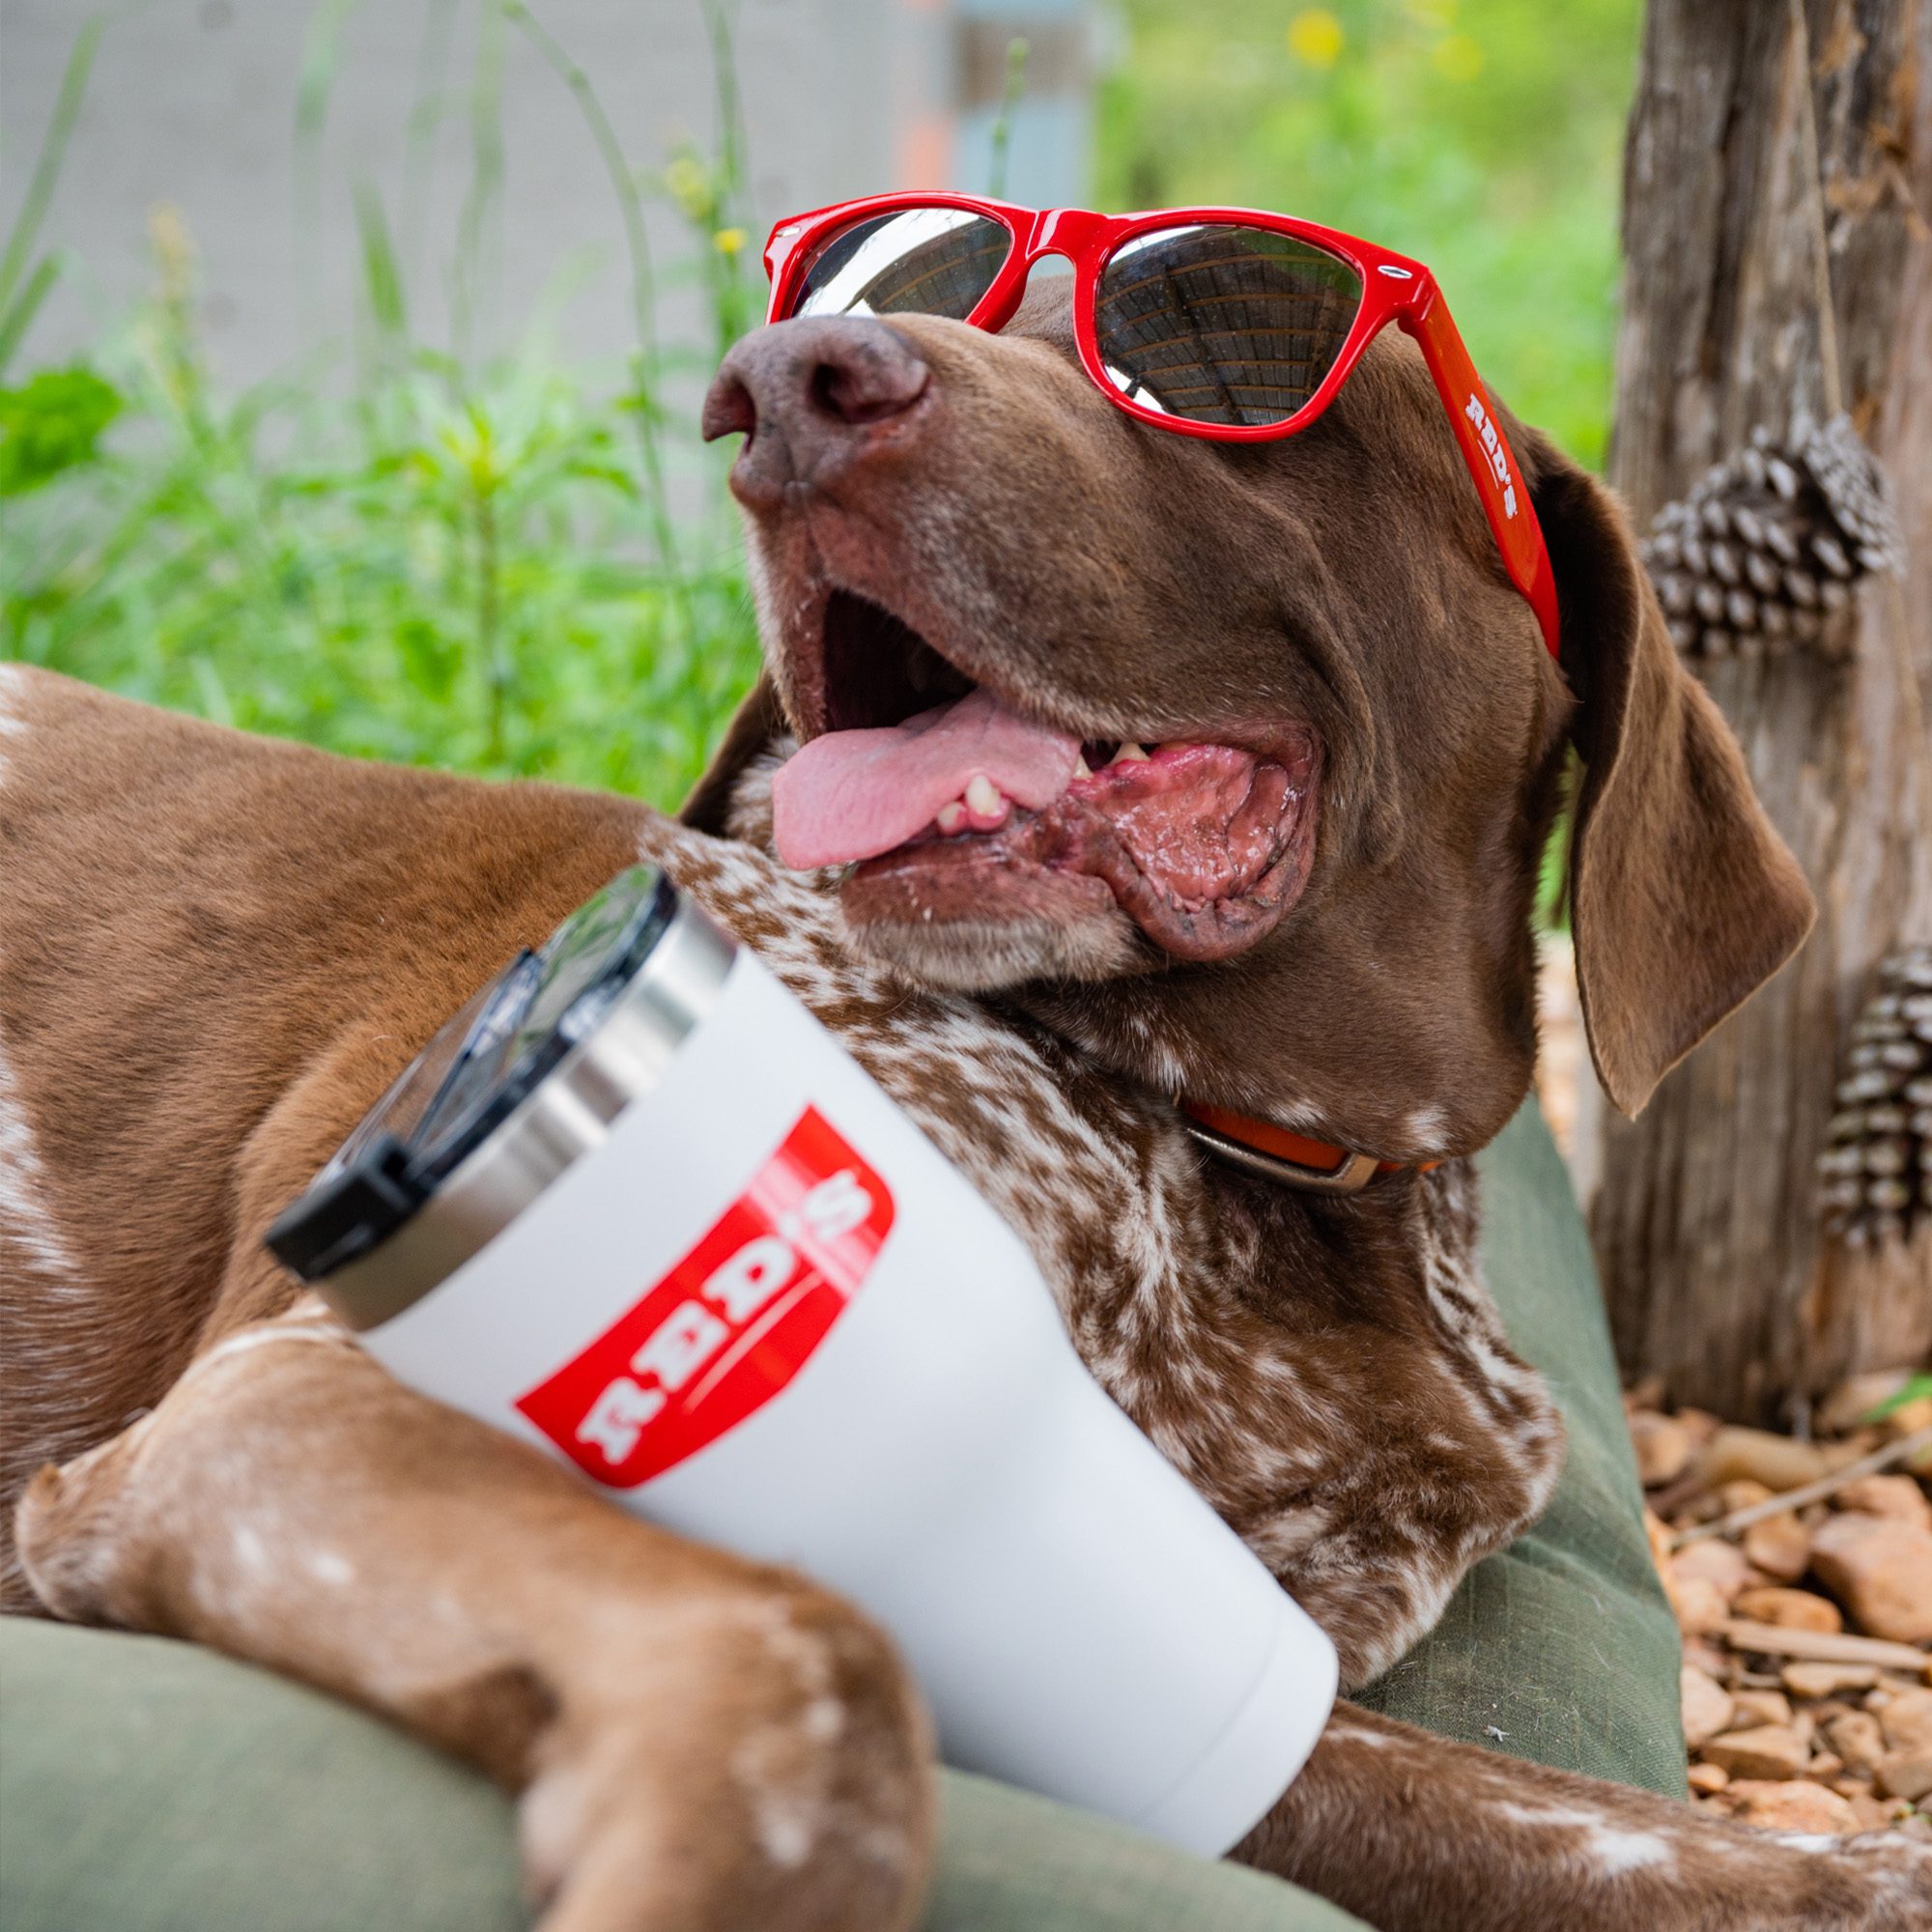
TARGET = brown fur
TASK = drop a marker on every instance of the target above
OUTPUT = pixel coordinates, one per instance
(217, 951)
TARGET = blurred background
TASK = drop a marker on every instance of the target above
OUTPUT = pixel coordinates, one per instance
(349, 354)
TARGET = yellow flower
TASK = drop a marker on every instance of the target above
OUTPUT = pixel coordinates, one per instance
(1458, 57)
(728, 240)
(1315, 36)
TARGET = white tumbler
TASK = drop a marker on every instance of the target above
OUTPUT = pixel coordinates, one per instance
(636, 1207)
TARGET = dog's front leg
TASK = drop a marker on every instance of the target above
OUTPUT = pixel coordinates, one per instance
(698, 1743)
(1414, 1834)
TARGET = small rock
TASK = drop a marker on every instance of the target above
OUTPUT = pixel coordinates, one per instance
(1880, 1570)
(1857, 1739)
(1707, 1707)
(1775, 1460)
(1762, 1706)
(1852, 1399)
(1713, 1660)
(1699, 1606)
(1907, 1720)
(1772, 1752)
(1874, 1814)
(1823, 1766)
(1791, 1609)
(1904, 1773)
(1780, 1546)
(1790, 1806)
(1662, 1448)
(1908, 1419)
(1707, 1779)
(1742, 1495)
(1715, 1561)
(1918, 1828)
(1701, 1423)
(1827, 1680)
(1646, 1392)
(1898, 1496)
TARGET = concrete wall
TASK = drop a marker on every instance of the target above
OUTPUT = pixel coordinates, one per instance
(193, 104)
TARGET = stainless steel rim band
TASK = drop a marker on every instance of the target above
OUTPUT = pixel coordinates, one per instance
(566, 1116)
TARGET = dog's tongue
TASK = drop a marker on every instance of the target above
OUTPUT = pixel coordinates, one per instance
(851, 795)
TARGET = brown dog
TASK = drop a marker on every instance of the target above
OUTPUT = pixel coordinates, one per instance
(1311, 906)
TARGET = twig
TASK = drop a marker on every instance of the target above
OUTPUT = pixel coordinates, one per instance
(1823, 1646)
(1906, 1447)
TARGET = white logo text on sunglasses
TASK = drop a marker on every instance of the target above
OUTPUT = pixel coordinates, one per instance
(1492, 443)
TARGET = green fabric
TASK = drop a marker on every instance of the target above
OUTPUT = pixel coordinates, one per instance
(1012, 1862)
(1563, 1642)
(146, 1786)
(149, 1786)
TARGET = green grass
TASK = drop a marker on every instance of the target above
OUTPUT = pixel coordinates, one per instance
(448, 569)
(411, 551)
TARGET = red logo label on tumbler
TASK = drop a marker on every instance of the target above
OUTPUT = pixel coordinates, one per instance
(731, 1323)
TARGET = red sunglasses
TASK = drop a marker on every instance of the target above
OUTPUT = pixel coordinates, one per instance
(1216, 322)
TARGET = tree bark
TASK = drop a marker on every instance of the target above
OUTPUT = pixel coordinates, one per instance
(1777, 237)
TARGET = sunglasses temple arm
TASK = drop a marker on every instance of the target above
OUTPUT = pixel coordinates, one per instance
(1498, 476)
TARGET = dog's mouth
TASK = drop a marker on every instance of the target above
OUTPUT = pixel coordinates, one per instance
(955, 802)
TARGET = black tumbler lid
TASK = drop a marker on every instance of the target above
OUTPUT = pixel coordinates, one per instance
(482, 1063)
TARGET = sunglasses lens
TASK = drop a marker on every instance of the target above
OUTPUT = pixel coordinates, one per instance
(1223, 324)
(919, 261)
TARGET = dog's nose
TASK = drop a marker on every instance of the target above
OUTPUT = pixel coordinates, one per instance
(811, 397)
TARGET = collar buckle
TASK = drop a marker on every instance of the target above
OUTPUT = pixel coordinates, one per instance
(1353, 1175)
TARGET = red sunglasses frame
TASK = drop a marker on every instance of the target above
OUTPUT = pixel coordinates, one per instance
(1394, 288)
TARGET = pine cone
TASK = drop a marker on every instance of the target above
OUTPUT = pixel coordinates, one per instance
(1875, 1170)
(1765, 549)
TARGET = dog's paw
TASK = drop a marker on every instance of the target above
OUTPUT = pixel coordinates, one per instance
(801, 1800)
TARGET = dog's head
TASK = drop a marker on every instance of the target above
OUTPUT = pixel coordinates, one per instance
(1268, 747)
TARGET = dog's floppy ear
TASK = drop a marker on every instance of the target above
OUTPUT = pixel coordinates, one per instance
(1684, 900)
(756, 722)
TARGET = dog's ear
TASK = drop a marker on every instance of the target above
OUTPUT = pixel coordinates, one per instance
(756, 722)
(1684, 900)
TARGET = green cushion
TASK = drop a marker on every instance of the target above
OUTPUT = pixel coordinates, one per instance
(146, 1786)
(1563, 1642)
(149, 1786)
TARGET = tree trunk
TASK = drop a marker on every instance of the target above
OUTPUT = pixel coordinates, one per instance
(1778, 236)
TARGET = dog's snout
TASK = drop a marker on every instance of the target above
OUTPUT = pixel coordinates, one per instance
(811, 396)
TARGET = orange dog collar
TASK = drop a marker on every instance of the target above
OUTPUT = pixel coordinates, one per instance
(1318, 1167)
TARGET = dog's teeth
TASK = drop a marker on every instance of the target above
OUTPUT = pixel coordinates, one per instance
(983, 796)
(1128, 754)
(1081, 768)
(952, 819)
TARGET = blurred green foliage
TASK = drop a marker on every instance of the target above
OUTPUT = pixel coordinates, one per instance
(408, 550)
(401, 550)
(1484, 138)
